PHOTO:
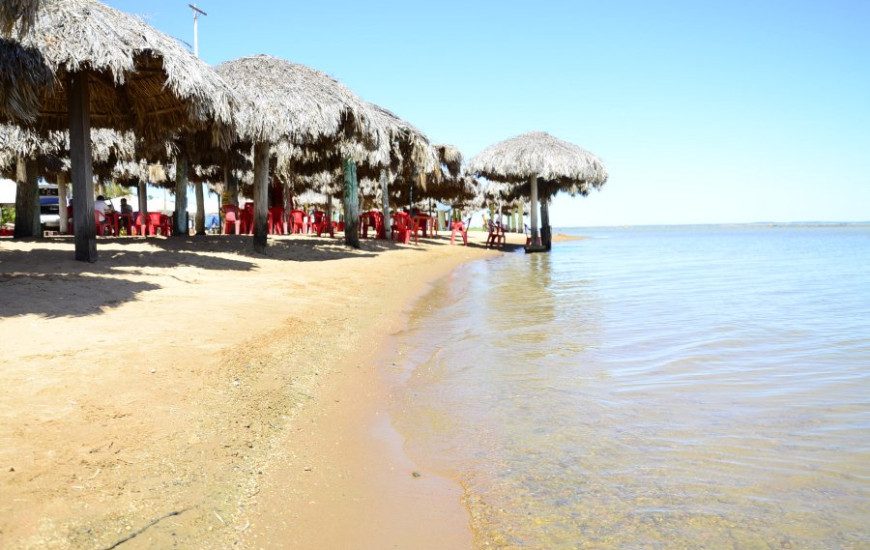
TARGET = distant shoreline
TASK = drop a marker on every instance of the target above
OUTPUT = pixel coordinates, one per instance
(746, 225)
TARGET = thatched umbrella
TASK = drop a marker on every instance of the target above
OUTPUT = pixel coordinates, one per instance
(412, 157)
(106, 69)
(439, 178)
(280, 100)
(536, 158)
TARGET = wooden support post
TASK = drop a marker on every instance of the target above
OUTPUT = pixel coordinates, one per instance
(533, 183)
(385, 206)
(199, 219)
(63, 211)
(546, 230)
(26, 200)
(329, 212)
(181, 228)
(351, 204)
(261, 199)
(142, 191)
(82, 169)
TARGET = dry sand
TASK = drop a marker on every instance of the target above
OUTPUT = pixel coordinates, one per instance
(197, 395)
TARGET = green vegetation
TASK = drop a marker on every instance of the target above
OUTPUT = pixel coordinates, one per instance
(7, 214)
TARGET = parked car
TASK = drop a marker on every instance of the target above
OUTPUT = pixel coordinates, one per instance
(49, 207)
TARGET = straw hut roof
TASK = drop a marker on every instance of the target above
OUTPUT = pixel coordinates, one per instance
(20, 142)
(312, 121)
(280, 100)
(559, 165)
(52, 151)
(20, 13)
(411, 151)
(142, 79)
(461, 190)
(450, 158)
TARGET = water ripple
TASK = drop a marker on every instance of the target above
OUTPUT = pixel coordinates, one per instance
(679, 388)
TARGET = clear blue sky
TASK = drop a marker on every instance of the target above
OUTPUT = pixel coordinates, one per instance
(704, 111)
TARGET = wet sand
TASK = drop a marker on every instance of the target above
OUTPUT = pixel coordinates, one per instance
(194, 394)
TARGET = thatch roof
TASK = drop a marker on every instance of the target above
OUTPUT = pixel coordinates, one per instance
(450, 158)
(559, 165)
(280, 100)
(141, 79)
(411, 151)
(108, 147)
(20, 13)
(24, 78)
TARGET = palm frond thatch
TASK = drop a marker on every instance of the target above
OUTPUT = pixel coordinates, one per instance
(411, 149)
(17, 13)
(451, 158)
(141, 79)
(25, 78)
(52, 151)
(280, 100)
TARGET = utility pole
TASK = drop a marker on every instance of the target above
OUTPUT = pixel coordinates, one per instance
(181, 164)
(196, 12)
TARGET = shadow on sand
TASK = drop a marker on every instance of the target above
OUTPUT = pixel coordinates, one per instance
(56, 285)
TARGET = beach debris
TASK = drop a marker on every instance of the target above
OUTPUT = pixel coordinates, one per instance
(416, 474)
(153, 370)
(236, 383)
(154, 522)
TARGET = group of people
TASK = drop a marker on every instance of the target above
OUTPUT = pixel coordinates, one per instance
(101, 207)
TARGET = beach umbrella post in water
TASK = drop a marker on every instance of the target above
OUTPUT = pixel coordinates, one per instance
(540, 159)
(79, 63)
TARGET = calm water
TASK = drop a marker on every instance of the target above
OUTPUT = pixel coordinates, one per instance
(652, 388)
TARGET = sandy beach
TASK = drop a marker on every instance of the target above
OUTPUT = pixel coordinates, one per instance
(189, 393)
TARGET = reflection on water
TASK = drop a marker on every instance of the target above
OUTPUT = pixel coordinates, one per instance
(652, 389)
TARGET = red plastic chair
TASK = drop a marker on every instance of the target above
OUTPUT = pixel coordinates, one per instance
(297, 222)
(232, 219)
(102, 225)
(140, 225)
(277, 224)
(320, 223)
(403, 227)
(375, 220)
(166, 225)
(460, 228)
(366, 220)
(380, 228)
(124, 222)
(496, 235)
(158, 222)
(248, 218)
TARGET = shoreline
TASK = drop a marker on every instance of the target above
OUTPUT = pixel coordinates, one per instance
(230, 360)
